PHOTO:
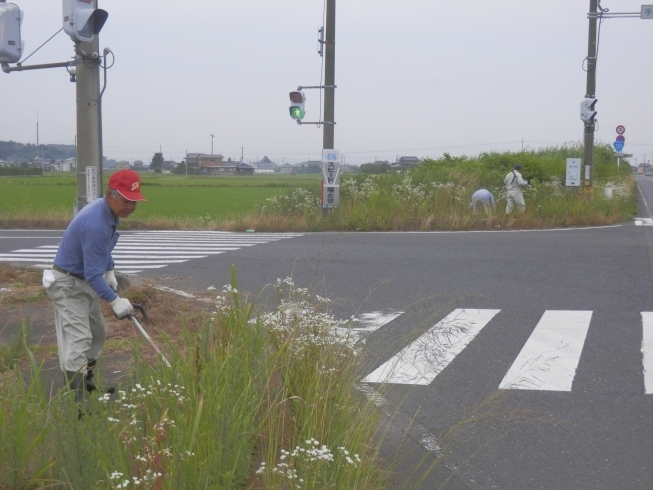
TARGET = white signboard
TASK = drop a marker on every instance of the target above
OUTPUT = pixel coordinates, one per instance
(91, 184)
(330, 178)
(647, 12)
(573, 172)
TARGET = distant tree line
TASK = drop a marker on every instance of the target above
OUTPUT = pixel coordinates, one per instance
(12, 151)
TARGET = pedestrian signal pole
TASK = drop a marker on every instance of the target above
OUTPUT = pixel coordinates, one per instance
(329, 75)
(590, 93)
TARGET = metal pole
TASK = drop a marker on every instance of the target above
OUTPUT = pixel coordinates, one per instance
(329, 75)
(590, 91)
(89, 143)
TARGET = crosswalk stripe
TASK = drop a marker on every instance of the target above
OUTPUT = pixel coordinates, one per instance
(424, 359)
(647, 350)
(145, 247)
(549, 359)
(142, 250)
(372, 321)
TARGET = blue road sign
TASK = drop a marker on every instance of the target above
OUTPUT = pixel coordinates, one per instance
(618, 145)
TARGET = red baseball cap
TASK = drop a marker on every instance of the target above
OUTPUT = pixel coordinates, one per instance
(128, 184)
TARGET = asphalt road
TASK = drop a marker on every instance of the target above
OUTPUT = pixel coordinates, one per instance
(597, 434)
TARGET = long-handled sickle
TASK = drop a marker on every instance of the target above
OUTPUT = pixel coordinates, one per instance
(137, 324)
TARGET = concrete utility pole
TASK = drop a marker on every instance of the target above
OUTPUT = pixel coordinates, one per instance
(329, 75)
(89, 124)
(590, 91)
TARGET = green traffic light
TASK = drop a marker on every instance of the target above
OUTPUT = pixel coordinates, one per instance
(296, 112)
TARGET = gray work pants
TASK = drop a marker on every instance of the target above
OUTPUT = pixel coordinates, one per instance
(515, 197)
(478, 204)
(78, 321)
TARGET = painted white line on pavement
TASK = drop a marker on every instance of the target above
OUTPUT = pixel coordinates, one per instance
(647, 350)
(648, 210)
(174, 291)
(424, 359)
(24, 258)
(549, 359)
(369, 322)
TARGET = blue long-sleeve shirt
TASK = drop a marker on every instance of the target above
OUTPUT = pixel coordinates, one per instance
(87, 244)
(485, 195)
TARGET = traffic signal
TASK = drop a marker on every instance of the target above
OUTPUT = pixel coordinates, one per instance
(587, 112)
(82, 21)
(11, 45)
(297, 105)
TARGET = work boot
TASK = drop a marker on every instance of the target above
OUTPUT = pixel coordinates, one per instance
(90, 384)
(76, 383)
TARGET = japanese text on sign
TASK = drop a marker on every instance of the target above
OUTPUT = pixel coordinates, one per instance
(330, 178)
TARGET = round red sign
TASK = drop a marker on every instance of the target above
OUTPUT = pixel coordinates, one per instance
(621, 129)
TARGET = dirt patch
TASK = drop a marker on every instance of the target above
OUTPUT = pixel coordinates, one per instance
(22, 297)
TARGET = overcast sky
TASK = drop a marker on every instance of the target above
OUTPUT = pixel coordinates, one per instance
(414, 77)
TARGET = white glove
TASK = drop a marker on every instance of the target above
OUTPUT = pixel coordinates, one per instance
(121, 307)
(110, 277)
(48, 278)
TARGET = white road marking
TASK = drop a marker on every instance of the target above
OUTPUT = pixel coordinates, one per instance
(365, 324)
(136, 251)
(643, 222)
(174, 291)
(647, 350)
(148, 248)
(369, 322)
(424, 359)
(549, 359)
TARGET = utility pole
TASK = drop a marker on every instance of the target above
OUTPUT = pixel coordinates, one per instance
(89, 129)
(329, 75)
(590, 93)
(212, 136)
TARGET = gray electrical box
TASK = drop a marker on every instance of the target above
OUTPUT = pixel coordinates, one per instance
(11, 45)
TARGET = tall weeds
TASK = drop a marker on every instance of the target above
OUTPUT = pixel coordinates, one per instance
(249, 400)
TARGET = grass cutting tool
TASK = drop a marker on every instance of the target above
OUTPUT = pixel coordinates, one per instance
(138, 325)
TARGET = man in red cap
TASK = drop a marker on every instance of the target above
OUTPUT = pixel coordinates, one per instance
(83, 273)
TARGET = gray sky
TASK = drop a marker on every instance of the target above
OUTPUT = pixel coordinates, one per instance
(414, 77)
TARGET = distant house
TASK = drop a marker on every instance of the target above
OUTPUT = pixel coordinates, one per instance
(122, 165)
(643, 167)
(309, 167)
(193, 161)
(405, 162)
(266, 166)
(244, 169)
(168, 166)
(287, 168)
(209, 164)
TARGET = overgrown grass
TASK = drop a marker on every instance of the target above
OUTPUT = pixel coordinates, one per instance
(437, 196)
(250, 402)
(434, 196)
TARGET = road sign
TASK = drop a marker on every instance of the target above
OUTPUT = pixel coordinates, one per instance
(621, 138)
(330, 178)
(618, 145)
(573, 172)
(91, 184)
(647, 12)
(621, 129)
